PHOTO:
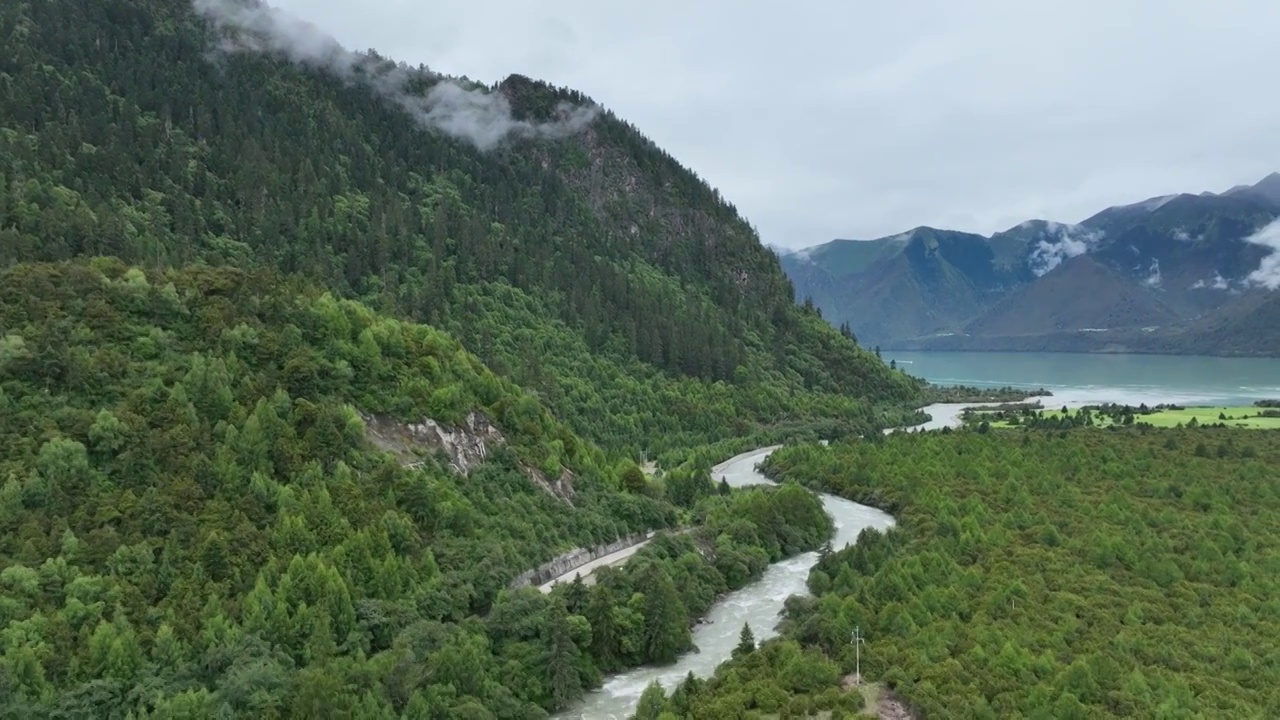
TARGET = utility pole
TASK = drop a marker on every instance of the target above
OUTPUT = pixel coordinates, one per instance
(857, 656)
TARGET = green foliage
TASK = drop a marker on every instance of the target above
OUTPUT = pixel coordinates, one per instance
(967, 394)
(1109, 415)
(640, 612)
(191, 505)
(595, 271)
(746, 642)
(211, 263)
(651, 704)
(780, 678)
(632, 478)
(1082, 574)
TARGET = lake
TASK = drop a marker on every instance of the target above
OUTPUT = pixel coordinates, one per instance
(1076, 379)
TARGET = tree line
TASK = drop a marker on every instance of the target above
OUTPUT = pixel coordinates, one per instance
(192, 521)
(125, 135)
(1068, 575)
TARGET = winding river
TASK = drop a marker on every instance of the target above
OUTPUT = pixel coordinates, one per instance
(1081, 380)
(759, 603)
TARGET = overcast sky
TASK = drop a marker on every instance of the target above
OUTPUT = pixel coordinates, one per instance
(847, 118)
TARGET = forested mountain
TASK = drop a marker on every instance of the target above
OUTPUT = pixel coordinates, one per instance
(194, 524)
(234, 273)
(590, 267)
(1140, 277)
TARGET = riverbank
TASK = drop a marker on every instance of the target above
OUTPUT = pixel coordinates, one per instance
(759, 604)
(943, 415)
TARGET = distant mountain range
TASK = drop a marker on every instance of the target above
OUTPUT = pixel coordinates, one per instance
(1184, 273)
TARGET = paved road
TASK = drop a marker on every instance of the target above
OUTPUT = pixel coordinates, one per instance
(585, 571)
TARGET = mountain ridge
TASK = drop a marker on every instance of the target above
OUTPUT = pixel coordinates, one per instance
(235, 278)
(597, 238)
(1159, 269)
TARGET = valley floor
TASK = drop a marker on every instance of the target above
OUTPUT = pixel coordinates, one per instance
(1249, 418)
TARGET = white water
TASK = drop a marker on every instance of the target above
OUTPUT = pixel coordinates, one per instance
(759, 603)
(1074, 380)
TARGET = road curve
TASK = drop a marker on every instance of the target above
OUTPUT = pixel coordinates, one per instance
(613, 558)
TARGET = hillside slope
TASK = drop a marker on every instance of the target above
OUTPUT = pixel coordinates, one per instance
(1111, 303)
(1245, 327)
(1174, 261)
(918, 283)
(219, 496)
(227, 494)
(126, 133)
(194, 522)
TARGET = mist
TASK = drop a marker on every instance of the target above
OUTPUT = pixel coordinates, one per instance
(482, 118)
(1268, 273)
(1061, 242)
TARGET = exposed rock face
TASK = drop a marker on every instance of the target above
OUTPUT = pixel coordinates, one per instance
(466, 446)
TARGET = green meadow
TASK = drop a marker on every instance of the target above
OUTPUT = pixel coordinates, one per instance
(1243, 417)
(1249, 417)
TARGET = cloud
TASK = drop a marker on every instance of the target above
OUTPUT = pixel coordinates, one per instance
(481, 118)
(1268, 273)
(1153, 280)
(825, 119)
(1061, 242)
(1218, 283)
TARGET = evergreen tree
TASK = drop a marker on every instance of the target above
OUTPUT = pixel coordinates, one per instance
(562, 657)
(666, 625)
(746, 642)
(576, 595)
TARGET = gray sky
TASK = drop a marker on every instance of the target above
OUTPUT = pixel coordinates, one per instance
(848, 118)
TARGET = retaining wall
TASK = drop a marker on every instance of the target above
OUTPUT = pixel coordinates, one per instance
(575, 559)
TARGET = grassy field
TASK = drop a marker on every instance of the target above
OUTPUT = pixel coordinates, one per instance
(1245, 417)
(1238, 416)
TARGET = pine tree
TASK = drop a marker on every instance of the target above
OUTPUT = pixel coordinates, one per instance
(604, 629)
(746, 642)
(575, 596)
(562, 656)
(666, 624)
